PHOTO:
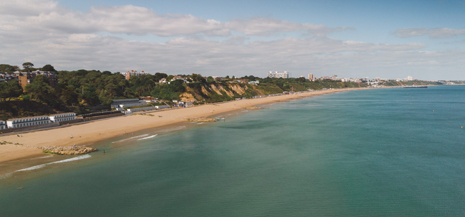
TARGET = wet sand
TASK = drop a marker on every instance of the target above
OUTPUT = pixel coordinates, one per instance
(86, 134)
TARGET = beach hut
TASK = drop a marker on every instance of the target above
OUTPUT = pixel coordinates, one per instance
(2, 125)
(28, 121)
(63, 117)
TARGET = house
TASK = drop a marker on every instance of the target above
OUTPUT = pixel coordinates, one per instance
(162, 81)
(254, 82)
(28, 121)
(131, 73)
(178, 77)
(2, 125)
(63, 117)
(25, 78)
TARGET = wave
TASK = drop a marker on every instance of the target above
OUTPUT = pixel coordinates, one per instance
(32, 168)
(134, 137)
(70, 159)
(148, 137)
(55, 162)
(4, 176)
(172, 129)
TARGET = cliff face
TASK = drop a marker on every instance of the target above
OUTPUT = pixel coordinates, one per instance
(216, 92)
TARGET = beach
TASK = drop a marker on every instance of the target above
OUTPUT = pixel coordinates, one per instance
(88, 133)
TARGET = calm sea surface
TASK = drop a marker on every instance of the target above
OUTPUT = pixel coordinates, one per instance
(361, 153)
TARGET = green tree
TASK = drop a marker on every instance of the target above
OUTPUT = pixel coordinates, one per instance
(28, 66)
(10, 89)
(40, 89)
(301, 79)
(90, 95)
(8, 68)
(48, 68)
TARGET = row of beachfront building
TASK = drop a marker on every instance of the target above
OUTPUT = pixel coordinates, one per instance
(37, 120)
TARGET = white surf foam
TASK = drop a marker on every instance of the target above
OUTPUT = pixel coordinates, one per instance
(148, 137)
(4, 176)
(32, 168)
(55, 162)
(71, 159)
(134, 137)
(171, 129)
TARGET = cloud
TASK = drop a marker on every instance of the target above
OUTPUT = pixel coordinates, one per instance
(432, 33)
(68, 39)
(268, 26)
(46, 16)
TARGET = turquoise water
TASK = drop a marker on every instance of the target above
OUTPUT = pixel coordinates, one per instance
(361, 153)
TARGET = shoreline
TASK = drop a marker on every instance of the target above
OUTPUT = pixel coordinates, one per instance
(89, 133)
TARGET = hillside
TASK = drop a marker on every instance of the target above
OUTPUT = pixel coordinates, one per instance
(14, 109)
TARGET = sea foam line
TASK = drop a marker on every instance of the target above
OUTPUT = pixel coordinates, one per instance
(55, 162)
(171, 129)
(70, 159)
(148, 137)
(134, 137)
(32, 168)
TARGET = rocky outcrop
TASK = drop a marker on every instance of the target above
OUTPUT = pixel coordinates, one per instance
(73, 150)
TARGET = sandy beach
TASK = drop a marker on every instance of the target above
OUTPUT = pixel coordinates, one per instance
(85, 134)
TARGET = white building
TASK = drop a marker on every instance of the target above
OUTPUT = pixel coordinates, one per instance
(278, 75)
(409, 78)
(2, 125)
(28, 122)
(310, 77)
(63, 117)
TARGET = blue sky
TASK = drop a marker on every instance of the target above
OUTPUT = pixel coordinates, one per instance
(391, 39)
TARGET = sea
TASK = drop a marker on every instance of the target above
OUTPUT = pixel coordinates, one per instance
(379, 152)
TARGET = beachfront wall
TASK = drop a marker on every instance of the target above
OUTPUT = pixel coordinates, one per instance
(148, 108)
(63, 117)
(28, 122)
(2, 125)
(142, 109)
(162, 106)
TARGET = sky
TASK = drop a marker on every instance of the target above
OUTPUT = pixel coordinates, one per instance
(348, 38)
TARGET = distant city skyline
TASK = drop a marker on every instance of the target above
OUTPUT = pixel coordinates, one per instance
(388, 39)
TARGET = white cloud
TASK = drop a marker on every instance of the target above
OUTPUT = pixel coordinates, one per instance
(47, 16)
(432, 33)
(267, 26)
